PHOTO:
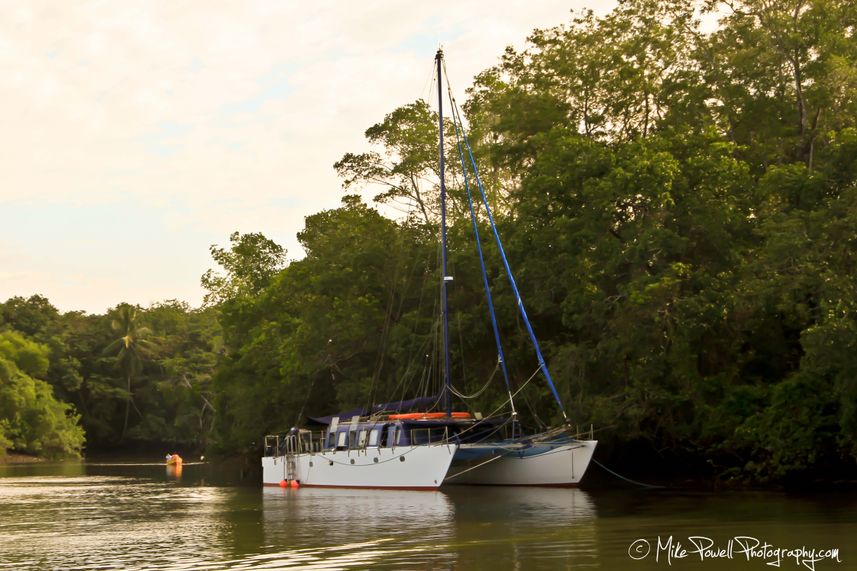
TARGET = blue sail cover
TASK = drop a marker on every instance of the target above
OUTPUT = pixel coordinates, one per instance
(395, 406)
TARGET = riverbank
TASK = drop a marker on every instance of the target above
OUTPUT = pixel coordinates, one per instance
(15, 458)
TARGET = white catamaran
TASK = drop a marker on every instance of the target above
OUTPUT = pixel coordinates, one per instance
(377, 452)
(391, 446)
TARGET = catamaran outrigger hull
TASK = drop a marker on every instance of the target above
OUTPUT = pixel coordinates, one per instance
(550, 464)
(402, 467)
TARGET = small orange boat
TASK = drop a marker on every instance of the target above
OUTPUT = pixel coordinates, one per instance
(174, 460)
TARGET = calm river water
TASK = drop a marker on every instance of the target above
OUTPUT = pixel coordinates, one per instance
(139, 516)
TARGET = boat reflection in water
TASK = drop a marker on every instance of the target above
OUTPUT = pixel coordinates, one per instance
(360, 528)
(524, 528)
(461, 527)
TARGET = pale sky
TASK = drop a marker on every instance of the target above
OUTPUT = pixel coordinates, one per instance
(135, 134)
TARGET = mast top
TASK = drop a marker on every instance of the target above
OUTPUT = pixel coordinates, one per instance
(439, 55)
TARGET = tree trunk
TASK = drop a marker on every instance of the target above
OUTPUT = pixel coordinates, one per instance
(127, 411)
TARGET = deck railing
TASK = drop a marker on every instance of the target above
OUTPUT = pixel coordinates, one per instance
(314, 442)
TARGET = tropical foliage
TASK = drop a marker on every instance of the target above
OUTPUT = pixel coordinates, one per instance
(31, 418)
(676, 187)
(679, 208)
(138, 375)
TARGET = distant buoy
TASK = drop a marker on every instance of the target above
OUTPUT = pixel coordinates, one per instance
(295, 484)
(284, 484)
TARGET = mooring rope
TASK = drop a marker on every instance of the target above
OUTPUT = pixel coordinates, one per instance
(629, 480)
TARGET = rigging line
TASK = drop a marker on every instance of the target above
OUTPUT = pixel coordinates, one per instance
(427, 359)
(428, 84)
(533, 412)
(490, 433)
(408, 377)
(409, 277)
(421, 346)
(440, 346)
(432, 374)
(385, 330)
(306, 400)
(550, 434)
(447, 372)
(461, 345)
(358, 450)
(511, 278)
(513, 395)
(480, 391)
(457, 474)
(500, 355)
(629, 480)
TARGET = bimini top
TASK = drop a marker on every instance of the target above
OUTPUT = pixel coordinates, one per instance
(394, 407)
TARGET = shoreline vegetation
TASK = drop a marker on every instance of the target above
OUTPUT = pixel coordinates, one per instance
(14, 458)
(680, 207)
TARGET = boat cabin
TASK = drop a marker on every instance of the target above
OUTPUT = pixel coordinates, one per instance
(363, 433)
(358, 435)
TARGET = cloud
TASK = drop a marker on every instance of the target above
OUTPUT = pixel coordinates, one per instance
(200, 118)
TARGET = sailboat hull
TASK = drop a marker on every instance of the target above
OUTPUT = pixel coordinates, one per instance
(550, 464)
(419, 467)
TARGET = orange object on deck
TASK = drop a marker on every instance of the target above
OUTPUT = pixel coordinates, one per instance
(427, 415)
(174, 460)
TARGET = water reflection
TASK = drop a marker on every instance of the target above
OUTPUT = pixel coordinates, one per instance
(123, 516)
(527, 528)
(460, 527)
(392, 525)
(112, 516)
(174, 471)
(88, 522)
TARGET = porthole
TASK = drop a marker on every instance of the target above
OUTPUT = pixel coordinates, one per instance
(310, 464)
(401, 458)
(352, 460)
(375, 460)
(331, 462)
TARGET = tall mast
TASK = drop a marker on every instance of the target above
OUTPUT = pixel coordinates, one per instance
(444, 306)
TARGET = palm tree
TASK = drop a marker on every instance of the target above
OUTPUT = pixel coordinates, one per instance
(132, 345)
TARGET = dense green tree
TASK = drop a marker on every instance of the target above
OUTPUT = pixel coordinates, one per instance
(132, 345)
(675, 205)
(784, 75)
(31, 419)
(250, 264)
(180, 397)
(170, 368)
(406, 166)
(31, 316)
(316, 338)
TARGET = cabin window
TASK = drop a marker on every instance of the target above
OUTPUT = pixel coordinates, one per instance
(361, 441)
(373, 437)
(427, 435)
(392, 437)
(342, 440)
